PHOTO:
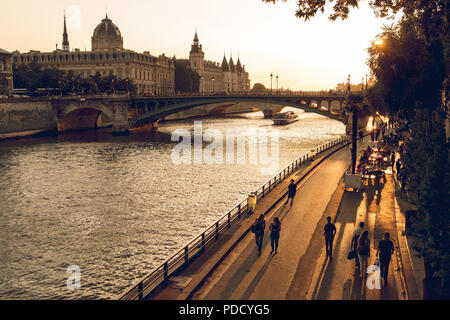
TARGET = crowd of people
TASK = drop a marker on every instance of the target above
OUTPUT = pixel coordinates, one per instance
(372, 164)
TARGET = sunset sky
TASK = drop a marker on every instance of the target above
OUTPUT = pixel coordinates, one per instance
(311, 55)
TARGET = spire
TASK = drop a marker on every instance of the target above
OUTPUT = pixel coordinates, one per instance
(195, 37)
(225, 66)
(65, 43)
(231, 64)
(238, 65)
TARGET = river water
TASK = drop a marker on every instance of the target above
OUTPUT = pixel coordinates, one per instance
(117, 207)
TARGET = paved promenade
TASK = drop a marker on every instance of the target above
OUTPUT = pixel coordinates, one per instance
(300, 270)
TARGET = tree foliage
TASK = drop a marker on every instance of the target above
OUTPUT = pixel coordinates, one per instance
(258, 87)
(409, 72)
(426, 166)
(411, 68)
(32, 76)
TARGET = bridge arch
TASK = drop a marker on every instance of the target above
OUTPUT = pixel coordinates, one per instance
(84, 117)
(163, 110)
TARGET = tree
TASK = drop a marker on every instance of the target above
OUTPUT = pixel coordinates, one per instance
(259, 87)
(409, 72)
(412, 68)
(426, 166)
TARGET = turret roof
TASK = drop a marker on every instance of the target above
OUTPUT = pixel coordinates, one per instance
(225, 66)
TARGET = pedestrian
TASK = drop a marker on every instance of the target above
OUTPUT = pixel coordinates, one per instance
(392, 160)
(398, 165)
(275, 228)
(292, 191)
(363, 251)
(329, 233)
(258, 229)
(385, 250)
(356, 234)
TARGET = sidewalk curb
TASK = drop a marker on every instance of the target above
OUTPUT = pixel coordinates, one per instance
(408, 279)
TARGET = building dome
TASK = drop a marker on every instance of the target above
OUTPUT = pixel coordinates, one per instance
(107, 36)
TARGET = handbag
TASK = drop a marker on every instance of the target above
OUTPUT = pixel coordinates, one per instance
(351, 255)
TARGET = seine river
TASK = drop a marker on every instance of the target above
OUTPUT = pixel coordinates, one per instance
(117, 207)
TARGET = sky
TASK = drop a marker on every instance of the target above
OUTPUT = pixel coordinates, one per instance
(268, 38)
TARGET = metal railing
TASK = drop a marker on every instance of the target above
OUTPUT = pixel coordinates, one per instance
(212, 233)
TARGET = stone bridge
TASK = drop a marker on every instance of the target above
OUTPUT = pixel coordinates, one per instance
(125, 112)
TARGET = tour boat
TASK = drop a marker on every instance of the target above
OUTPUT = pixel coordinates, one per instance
(285, 117)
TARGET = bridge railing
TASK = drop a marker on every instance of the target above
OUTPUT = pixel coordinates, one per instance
(212, 233)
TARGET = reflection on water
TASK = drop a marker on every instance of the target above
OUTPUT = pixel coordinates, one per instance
(117, 206)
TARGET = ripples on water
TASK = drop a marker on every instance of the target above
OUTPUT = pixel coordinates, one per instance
(117, 206)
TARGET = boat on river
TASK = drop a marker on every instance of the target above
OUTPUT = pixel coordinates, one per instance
(284, 118)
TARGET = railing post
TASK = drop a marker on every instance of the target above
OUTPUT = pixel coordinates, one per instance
(239, 211)
(166, 272)
(203, 241)
(186, 254)
(140, 291)
(217, 230)
(229, 219)
(263, 190)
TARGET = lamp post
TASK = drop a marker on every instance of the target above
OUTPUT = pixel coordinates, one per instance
(213, 83)
(277, 83)
(349, 88)
(271, 76)
(203, 86)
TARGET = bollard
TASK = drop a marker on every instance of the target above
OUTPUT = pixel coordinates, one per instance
(229, 219)
(239, 211)
(251, 202)
(186, 254)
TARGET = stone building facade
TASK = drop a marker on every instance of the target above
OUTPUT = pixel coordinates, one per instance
(152, 75)
(6, 73)
(216, 77)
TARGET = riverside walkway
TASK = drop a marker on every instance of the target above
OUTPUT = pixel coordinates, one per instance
(234, 270)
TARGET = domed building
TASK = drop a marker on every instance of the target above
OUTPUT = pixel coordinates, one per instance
(107, 36)
(152, 75)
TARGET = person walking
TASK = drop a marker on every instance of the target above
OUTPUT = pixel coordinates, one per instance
(363, 252)
(356, 234)
(275, 228)
(385, 250)
(392, 161)
(398, 165)
(292, 191)
(258, 229)
(329, 233)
